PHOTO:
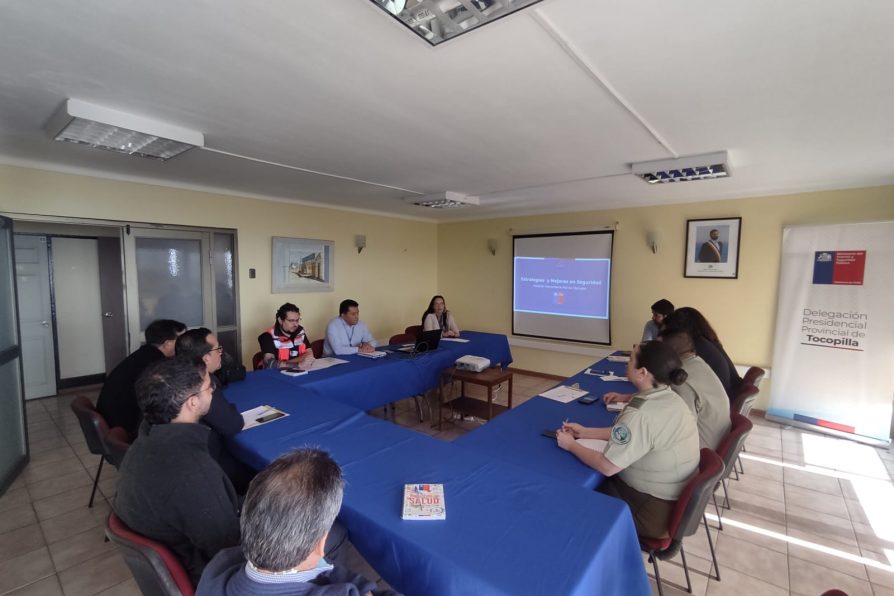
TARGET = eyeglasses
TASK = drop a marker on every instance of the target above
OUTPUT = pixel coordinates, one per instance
(218, 349)
(293, 320)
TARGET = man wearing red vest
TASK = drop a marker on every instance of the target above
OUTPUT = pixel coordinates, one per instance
(286, 344)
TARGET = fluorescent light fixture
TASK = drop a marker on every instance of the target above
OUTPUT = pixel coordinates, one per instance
(444, 200)
(683, 169)
(437, 21)
(88, 124)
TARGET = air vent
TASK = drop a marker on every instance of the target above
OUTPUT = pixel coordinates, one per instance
(683, 169)
(444, 200)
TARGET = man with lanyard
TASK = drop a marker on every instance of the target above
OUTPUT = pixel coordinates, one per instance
(346, 333)
(286, 343)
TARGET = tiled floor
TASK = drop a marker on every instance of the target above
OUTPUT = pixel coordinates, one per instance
(810, 513)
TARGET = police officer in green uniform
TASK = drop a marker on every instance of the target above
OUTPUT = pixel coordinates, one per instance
(653, 447)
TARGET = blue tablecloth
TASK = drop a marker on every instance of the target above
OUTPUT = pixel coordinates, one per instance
(516, 436)
(508, 530)
(368, 383)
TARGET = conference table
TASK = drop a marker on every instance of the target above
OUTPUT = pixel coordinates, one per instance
(509, 529)
(367, 383)
(523, 426)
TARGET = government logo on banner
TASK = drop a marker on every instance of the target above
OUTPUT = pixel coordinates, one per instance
(839, 267)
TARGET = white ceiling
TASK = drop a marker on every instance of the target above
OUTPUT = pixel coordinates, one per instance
(540, 111)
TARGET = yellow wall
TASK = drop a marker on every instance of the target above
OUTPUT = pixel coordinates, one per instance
(406, 261)
(478, 286)
(392, 279)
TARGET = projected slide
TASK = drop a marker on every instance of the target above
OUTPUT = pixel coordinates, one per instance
(562, 287)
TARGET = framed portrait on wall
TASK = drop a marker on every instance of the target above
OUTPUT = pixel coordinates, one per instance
(302, 265)
(712, 248)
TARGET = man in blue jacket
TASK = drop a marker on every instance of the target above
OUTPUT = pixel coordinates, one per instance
(288, 512)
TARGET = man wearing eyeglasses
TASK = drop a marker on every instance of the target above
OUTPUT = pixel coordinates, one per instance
(202, 346)
(170, 489)
(286, 343)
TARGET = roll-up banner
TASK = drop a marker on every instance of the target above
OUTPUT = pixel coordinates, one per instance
(833, 355)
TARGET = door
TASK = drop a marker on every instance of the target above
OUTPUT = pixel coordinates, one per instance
(35, 315)
(168, 277)
(111, 295)
(13, 446)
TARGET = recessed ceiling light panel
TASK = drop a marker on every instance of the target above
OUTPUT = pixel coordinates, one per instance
(103, 128)
(437, 21)
(444, 200)
(683, 169)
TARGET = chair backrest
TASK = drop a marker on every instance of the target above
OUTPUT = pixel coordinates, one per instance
(93, 425)
(117, 443)
(154, 567)
(401, 338)
(731, 444)
(690, 507)
(744, 399)
(414, 330)
(754, 376)
(317, 348)
(257, 361)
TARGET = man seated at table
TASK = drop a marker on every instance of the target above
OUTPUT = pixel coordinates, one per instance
(286, 342)
(660, 311)
(286, 518)
(170, 489)
(117, 400)
(703, 392)
(346, 333)
(225, 421)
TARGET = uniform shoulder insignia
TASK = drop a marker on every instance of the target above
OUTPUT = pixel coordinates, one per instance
(636, 403)
(620, 434)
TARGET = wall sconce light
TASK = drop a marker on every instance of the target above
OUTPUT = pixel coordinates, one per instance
(492, 246)
(360, 242)
(652, 242)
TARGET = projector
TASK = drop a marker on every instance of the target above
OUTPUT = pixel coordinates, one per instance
(472, 363)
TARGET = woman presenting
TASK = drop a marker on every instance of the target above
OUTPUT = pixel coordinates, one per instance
(652, 448)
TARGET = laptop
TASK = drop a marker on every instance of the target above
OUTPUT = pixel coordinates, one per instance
(426, 341)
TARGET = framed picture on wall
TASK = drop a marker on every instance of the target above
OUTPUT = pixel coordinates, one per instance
(712, 248)
(302, 265)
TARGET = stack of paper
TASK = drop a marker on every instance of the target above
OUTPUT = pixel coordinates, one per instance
(456, 339)
(618, 358)
(261, 415)
(375, 354)
(564, 394)
(616, 406)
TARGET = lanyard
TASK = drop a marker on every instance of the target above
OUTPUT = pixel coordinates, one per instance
(351, 336)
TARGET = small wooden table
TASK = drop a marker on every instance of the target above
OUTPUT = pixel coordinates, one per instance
(488, 378)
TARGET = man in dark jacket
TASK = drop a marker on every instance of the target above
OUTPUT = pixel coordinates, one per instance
(117, 400)
(169, 488)
(288, 512)
(201, 346)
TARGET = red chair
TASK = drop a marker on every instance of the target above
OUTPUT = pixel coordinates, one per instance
(414, 330)
(688, 512)
(154, 567)
(744, 399)
(754, 376)
(96, 433)
(317, 348)
(729, 448)
(401, 338)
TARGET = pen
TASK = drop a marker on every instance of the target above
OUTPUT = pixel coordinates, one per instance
(604, 372)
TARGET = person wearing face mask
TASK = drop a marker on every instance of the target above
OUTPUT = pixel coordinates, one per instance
(653, 447)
